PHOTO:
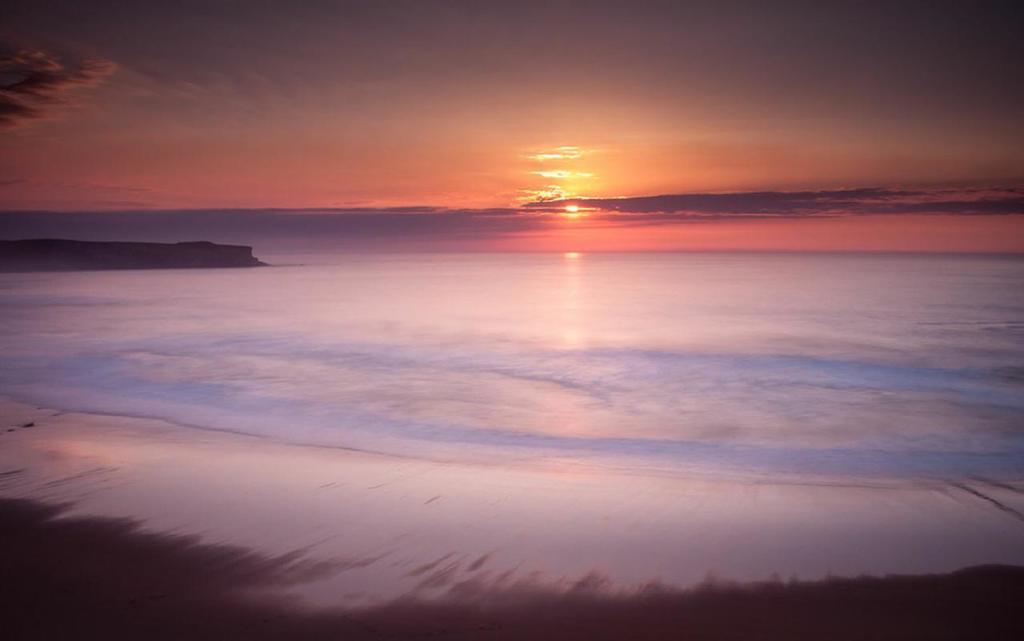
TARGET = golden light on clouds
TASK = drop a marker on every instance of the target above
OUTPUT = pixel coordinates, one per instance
(568, 180)
(541, 194)
(558, 153)
(563, 173)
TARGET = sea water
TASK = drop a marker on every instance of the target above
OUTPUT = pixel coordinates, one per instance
(713, 363)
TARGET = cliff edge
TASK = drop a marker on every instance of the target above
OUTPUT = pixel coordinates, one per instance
(51, 254)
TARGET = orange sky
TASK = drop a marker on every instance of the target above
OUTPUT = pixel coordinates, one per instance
(465, 106)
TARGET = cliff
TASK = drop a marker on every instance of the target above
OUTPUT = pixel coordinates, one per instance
(48, 254)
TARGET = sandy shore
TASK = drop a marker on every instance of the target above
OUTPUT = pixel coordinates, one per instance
(403, 528)
(96, 577)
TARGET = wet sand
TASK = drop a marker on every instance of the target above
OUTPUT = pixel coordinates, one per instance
(105, 578)
(383, 528)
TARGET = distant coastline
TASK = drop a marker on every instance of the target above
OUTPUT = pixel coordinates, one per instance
(53, 254)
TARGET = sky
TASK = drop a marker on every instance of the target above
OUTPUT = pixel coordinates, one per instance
(517, 125)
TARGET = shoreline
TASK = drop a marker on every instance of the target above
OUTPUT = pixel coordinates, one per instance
(384, 517)
(99, 577)
(624, 462)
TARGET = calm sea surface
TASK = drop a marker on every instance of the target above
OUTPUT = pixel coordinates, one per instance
(745, 364)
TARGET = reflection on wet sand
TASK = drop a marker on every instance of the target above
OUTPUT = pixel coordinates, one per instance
(392, 527)
(106, 578)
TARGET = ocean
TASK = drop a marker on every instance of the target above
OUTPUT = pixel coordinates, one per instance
(736, 363)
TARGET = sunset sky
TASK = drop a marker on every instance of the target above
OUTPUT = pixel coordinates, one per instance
(521, 126)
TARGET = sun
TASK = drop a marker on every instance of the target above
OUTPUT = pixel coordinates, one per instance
(572, 212)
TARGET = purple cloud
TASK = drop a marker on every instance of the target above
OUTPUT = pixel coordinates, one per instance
(367, 227)
(33, 82)
(801, 204)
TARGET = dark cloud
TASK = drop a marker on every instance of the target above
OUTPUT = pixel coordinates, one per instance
(369, 228)
(335, 227)
(33, 82)
(104, 578)
(802, 204)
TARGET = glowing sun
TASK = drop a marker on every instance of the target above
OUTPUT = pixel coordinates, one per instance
(572, 212)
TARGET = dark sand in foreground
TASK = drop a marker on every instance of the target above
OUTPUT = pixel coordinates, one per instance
(98, 577)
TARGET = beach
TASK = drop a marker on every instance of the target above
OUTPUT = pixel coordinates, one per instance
(370, 455)
(117, 527)
(398, 526)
